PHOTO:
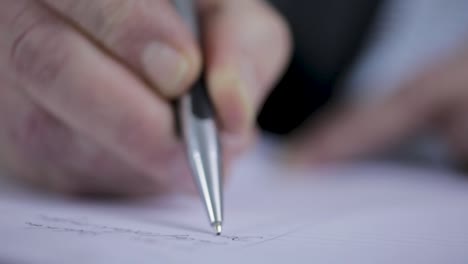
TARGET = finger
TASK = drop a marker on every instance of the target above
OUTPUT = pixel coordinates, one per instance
(246, 47)
(145, 34)
(40, 149)
(69, 77)
(359, 131)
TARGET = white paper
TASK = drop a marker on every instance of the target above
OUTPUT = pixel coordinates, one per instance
(364, 213)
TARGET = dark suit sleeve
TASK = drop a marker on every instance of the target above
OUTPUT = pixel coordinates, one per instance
(328, 36)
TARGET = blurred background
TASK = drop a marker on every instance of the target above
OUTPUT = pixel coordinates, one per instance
(361, 50)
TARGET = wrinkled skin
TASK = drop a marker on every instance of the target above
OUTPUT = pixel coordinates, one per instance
(86, 86)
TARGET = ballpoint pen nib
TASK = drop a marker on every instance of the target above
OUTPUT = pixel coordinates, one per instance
(218, 227)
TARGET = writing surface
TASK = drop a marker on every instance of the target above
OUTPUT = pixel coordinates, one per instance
(361, 213)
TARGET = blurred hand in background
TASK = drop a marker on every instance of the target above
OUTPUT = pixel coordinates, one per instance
(435, 99)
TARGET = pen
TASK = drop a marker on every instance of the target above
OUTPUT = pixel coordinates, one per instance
(200, 134)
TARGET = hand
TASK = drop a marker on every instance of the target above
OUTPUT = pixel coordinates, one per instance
(85, 87)
(435, 100)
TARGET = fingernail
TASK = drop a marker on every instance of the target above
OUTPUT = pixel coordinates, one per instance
(233, 87)
(166, 67)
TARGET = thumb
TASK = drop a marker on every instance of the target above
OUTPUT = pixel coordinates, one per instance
(246, 46)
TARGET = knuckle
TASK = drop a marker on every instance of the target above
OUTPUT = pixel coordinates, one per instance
(114, 17)
(39, 136)
(17, 13)
(127, 28)
(40, 53)
(123, 26)
(55, 157)
(39, 142)
(102, 18)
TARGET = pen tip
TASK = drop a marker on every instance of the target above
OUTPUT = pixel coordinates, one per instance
(218, 228)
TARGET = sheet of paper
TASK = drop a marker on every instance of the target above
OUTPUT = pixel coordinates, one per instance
(364, 213)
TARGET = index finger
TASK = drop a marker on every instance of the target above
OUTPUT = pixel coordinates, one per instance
(67, 75)
(147, 35)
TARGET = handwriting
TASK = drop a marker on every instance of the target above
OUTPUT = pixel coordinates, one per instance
(86, 228)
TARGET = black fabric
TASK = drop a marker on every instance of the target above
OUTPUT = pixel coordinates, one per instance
(328, 35)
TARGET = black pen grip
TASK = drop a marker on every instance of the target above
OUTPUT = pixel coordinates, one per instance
(202, 106)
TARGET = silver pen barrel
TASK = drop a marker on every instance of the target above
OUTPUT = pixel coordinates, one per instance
(201, 139)
(200, 134)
